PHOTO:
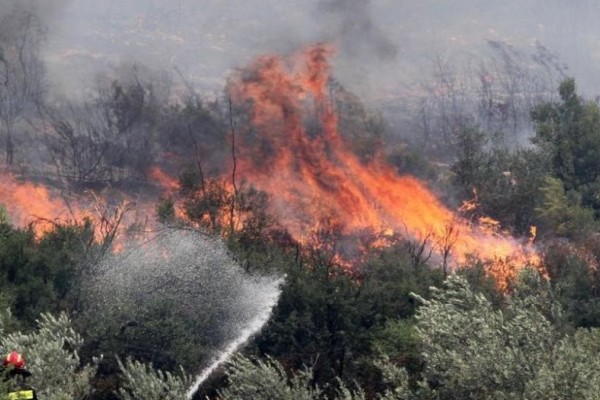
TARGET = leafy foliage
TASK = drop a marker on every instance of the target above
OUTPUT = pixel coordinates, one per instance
(473, 350)
(141, 381)
(462, 334)
(569, 133)
(504, 183)
(265, 380)
(39, 275)
(53, 359)
(562, 215)
(327, 320)
(335, 333)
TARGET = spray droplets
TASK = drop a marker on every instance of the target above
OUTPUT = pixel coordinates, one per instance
(181, 279)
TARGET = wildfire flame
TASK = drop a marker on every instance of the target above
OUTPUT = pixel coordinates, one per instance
(164, 180)
(28, 203)
(42, 208)
(293, 151)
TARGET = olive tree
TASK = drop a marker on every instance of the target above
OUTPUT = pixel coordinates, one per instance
(52, 355)
(473, 350)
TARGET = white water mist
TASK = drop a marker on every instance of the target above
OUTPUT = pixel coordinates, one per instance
(269, 300)
(188, 279)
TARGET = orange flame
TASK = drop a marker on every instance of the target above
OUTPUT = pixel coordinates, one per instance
(38, 206)
(165, 181)
(28, 203)
(294, 152)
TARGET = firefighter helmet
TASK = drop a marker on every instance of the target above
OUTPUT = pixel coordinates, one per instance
(15, 359)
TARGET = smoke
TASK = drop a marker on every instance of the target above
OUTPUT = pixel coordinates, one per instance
(351, 24)
(46, 14)
(205, 40)
(47, 11)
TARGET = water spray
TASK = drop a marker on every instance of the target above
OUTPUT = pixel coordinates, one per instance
(269, 300)
(193, 277)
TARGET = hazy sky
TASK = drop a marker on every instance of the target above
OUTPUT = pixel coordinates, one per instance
(384, 45)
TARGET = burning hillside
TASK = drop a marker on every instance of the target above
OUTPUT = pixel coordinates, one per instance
(291, 149)
(294, 152)
(30, 203)
(42, 208)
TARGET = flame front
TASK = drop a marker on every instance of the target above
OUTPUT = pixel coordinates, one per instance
(41, 208)
(293, 151)
(28, 203)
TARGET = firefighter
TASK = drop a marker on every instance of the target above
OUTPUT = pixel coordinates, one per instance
(15, 372)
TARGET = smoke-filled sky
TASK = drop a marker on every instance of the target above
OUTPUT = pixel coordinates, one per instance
(384, 45)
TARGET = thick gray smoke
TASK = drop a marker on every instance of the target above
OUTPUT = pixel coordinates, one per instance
(351, 24)
(48, 11)
(386, 46)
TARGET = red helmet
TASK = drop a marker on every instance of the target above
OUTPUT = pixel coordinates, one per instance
(14, 359)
